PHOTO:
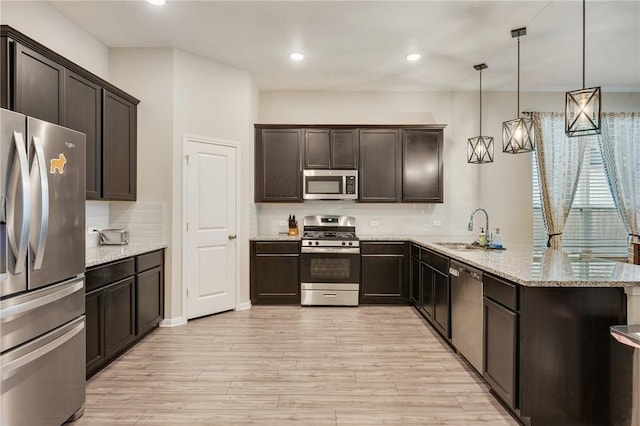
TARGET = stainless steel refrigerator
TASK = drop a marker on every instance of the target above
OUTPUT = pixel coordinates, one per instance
(42, 264)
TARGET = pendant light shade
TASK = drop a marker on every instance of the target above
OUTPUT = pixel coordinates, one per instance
(480, 148)
(582, 107)
(518, 135)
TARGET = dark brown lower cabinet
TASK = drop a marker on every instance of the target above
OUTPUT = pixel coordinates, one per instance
(94, 310)
(119, 316)
(414, 292)
(501, 351)
(121, 306)
(383, 276)
(274, 271)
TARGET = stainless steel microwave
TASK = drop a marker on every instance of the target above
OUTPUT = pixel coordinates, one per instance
(330, 184)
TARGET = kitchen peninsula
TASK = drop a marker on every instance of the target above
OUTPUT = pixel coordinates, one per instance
(546, 319)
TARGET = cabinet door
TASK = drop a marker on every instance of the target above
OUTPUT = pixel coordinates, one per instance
(317, 149)
(414, 295)
(119, 316)
(382, 279)
(94, 311)
(500, 350)
(426, 280)
(149, 299)
(83, 112)
(379, 169)
(344, 149)
(119, 148)
(38, 85)
(422, 171)
(441, 302)
(278, 165)
(274, 279)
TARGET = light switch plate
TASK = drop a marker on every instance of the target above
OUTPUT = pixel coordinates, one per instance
(282, 223)
(436, 223)
(373, 223)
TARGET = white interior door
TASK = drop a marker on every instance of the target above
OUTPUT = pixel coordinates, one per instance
(211, 227)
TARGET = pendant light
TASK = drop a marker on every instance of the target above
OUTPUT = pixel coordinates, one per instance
(582, 107)
(480, 148)
(518, 135)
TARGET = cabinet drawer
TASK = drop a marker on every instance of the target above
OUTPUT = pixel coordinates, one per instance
(148, 260)
(269, 247)
(501, 291)
(383, 248)
(103, 275)
(436, 261)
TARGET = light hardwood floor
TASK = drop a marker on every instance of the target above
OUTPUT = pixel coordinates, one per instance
(281, 365)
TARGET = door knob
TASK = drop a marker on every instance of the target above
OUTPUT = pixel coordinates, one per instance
(232, 236)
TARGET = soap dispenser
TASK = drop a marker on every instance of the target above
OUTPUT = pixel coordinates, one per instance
(482, 239)
(497, 239)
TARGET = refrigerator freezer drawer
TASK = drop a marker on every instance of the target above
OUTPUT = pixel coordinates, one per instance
(29, 315)
(43, 382)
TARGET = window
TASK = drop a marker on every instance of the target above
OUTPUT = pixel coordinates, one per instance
(593, 225)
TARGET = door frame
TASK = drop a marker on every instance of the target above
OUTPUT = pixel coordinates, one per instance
(186, 138)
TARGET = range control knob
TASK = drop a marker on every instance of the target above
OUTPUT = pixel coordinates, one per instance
(310, 243)
(350, 243)
(317, 243)
(343, 243)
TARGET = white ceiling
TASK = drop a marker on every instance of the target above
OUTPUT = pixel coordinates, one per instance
(361, 45)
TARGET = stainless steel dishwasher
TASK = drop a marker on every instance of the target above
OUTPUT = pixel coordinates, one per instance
(467, 312)
(624, 376)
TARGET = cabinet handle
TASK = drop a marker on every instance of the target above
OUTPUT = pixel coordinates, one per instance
(232, 236)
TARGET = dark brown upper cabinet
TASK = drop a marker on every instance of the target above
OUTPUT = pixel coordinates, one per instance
(38, 82)
(380, 174)
(37, 88)
(278, 165)
(118, 148)
(422, 166)
(83, 112)
(330, 149)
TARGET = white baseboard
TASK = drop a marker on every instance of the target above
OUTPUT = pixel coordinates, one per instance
(243, 306)
(173, 322)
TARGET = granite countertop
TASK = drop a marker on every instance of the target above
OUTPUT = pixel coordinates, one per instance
(104, 254)
(279, 237)
(520, 264)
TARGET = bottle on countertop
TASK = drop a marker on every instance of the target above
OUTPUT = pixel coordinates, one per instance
(482, 239)
(497, 239)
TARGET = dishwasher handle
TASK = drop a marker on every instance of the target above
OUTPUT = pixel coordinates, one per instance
(456, 271)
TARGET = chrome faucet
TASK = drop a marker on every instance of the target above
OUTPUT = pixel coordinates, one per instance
(487, 232)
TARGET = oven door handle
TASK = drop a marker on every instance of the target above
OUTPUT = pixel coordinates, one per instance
(331, 250)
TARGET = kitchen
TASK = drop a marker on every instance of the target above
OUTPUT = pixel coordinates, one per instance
(170, 82)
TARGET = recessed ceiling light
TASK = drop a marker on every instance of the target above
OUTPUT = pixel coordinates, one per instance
(157, 2)
(296, 56)
(413, 57)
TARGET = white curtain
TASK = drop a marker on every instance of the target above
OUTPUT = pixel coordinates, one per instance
(620, 149)
(559, 163)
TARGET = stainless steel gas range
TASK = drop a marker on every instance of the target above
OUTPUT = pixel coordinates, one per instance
(329, 261)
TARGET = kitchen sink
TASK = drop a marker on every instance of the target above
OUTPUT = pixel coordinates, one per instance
(467, 246)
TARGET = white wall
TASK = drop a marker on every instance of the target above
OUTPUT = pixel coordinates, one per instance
(49, 27)
(217, 102)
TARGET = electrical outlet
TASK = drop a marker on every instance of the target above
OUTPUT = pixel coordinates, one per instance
(91, 230)
(282, 223)
(373, 223)
(436, 223)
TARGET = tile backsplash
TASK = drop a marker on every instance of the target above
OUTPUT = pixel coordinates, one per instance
(144, 220)
(371, 219)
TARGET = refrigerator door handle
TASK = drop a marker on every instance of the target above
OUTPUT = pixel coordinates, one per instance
(44, 203)
(19, 244)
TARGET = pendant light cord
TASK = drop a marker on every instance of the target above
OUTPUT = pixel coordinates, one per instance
(480, 103)
(518, 106)
(583, 43)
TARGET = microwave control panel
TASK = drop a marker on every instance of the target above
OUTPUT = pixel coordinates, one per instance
(351, 185)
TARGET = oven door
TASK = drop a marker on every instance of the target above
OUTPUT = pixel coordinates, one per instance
(330, 265)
